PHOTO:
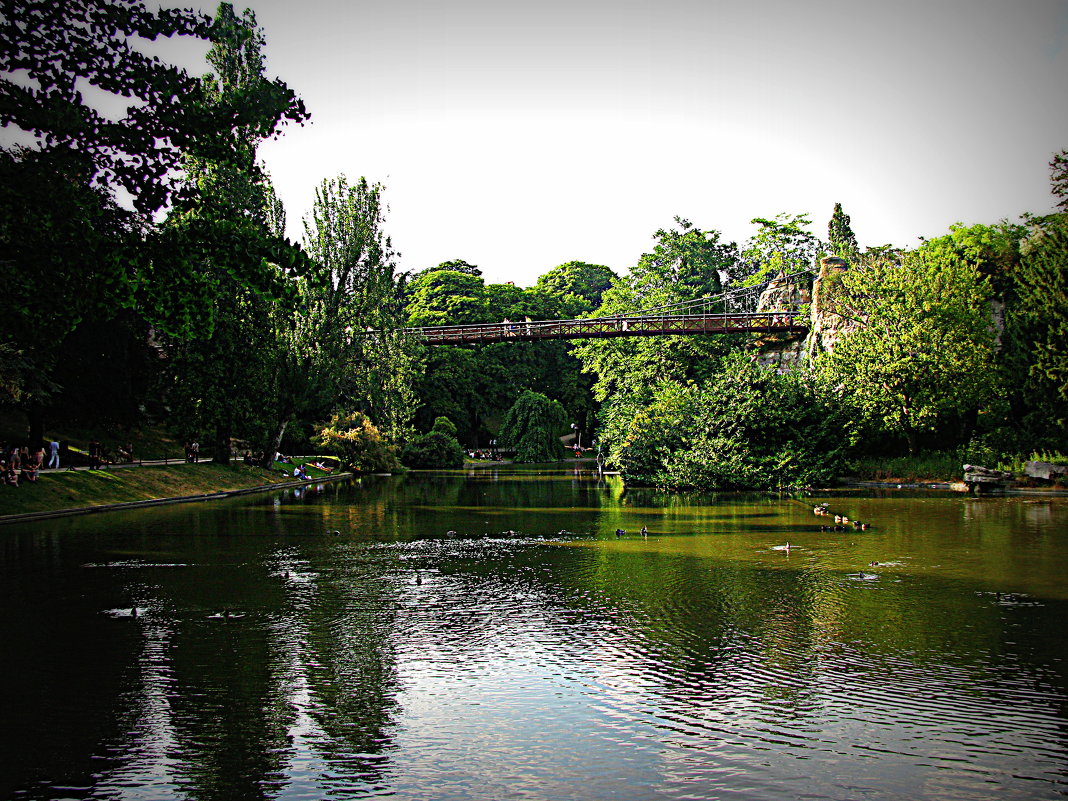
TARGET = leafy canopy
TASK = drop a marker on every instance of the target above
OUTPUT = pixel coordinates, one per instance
(743, 428)
(923, 347)
(533, 426)
(56, 46)
(578, 285)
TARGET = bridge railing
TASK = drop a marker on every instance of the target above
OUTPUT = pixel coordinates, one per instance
(615, 326)
(732, 310)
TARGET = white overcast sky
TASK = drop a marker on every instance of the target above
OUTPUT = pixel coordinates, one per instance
(519, 136)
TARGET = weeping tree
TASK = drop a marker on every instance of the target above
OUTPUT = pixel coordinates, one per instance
(533, 426)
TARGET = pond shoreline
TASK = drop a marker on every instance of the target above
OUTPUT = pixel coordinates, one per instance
(208, 496)
(25, 517)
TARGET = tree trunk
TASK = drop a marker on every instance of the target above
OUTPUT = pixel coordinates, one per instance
(35, 416)
(221, 453)
(276, 443)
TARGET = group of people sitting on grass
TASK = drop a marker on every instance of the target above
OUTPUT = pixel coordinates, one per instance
(299, 470)
(20, 464)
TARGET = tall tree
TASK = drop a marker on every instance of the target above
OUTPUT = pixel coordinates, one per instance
(685, 264)
(93, 256)
(840, 237)
(223, 374)
(348, 328)
(780, 244)
(923, 347)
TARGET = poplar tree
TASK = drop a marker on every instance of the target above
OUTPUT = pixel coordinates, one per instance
(348, 327)
(225, 372)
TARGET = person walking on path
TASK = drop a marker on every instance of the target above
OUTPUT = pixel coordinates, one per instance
(194, 449)
(53, 454)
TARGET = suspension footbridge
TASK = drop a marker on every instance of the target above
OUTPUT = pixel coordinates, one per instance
(734, 311)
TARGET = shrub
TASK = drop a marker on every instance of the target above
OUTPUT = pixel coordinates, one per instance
(745, 428)
(357, 443)
(436, 449)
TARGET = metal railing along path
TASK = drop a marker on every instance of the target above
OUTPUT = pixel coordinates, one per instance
(616, 326)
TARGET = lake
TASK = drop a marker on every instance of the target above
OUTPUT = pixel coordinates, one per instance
(484, 634)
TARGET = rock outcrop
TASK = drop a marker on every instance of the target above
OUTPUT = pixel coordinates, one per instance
(827, 322)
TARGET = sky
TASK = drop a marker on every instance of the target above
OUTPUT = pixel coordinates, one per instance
(519, 136)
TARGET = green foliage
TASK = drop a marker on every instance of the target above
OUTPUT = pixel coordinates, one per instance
(59, 45)
(443, 425)
(533, 426)
(1042, 287)
(353, 438)
(928, 467)
(1058, 173)
(994, 250)
(66, 255)
(508, 302)
(447, 297)
(684, 265)
(840, 237)
(744, 428)
(223, 375)
(923, 347)
(67, 251)
(578, 285)
(456, 265)
(347, 329)
(687, 258)
(779, 244)
(437, 449)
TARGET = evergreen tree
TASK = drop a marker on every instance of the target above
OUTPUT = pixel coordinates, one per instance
(437, 449)
(1058, 172)
(840, 237)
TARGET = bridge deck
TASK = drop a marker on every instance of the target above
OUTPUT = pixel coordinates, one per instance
(601, 327)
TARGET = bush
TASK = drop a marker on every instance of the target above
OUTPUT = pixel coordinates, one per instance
(357, 443)
(436, 449)
(745, 428)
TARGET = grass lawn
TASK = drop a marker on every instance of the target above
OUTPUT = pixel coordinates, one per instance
(81, 488)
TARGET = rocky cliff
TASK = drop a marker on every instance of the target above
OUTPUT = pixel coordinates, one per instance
(827, 324)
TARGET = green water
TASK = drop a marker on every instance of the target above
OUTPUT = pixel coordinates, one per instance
(486, 635)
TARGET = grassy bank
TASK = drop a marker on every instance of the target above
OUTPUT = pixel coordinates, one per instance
(84, 488)
(942, 466)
